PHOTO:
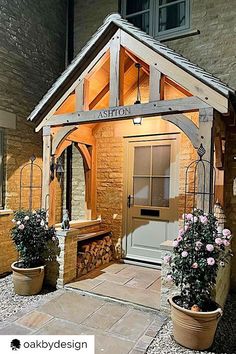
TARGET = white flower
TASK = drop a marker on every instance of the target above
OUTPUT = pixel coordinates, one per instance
(26, 218)
(13, 220)
(18, 222)
(42, 223)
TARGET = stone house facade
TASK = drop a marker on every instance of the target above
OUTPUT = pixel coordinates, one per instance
(209, 43)
(32, 55)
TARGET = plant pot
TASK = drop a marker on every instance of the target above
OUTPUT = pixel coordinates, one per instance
(27, 281)
(194, 330)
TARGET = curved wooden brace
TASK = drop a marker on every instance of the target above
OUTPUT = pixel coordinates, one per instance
(186, 125)
(61, 135)
(86, 155)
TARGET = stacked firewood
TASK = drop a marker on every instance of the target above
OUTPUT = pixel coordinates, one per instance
(94, 254)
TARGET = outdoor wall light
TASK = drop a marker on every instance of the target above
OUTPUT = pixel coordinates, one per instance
(138, 120)
(56, 165)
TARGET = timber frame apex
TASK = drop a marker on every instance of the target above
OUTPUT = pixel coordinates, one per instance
(156, 55)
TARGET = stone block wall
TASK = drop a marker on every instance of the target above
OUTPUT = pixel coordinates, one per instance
(230, 198)
(8, 252)
(32, 55)
(89, 15)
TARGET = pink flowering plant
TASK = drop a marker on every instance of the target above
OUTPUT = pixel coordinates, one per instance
(34, 240)
(199, 251)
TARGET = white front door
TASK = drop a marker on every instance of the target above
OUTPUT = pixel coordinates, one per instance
(152, 191)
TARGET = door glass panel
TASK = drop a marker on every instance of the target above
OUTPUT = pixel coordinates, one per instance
(160, 191)
(161, 160)
(172, 16)
(141, 190)
(142, 160)
(136, 6)
(140, 21)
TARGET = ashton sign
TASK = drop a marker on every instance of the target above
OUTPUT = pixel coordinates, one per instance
(114, 112)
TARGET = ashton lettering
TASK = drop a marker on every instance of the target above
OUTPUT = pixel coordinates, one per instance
(116, 112)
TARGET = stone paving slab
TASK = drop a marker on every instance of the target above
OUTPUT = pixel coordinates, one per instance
(34, 320)
(125, 282)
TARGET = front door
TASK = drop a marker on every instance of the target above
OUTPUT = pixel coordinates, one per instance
(152, 190)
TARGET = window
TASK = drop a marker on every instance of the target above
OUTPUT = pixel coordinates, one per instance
(159, 18)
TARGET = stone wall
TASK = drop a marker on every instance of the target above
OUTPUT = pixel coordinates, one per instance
(89, 15)
(230, 199)
(214, 48)
(31, 57)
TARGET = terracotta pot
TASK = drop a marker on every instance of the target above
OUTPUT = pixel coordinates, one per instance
(27, 281)
(194, 330)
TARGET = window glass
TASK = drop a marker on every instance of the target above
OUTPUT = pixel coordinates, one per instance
(172, 16)
(161, 160)
(141, 21)
(136, 6)
(142, 160)
(160, 191)
(165, 2)
(141, 190)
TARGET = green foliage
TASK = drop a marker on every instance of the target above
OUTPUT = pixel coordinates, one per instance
(34, 240)
(199, 251)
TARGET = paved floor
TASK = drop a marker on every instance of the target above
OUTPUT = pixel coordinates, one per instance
(118, 328)
(129, 283)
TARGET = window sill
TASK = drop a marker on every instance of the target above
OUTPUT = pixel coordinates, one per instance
(6, 212)
(173, 36)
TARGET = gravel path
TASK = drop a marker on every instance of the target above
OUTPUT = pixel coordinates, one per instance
(225, 340)
(13, 306)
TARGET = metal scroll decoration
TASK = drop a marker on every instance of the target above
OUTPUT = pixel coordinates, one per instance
(199, 184)
(34, 173)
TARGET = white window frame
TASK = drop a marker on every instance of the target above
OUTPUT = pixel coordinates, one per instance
(154, 19)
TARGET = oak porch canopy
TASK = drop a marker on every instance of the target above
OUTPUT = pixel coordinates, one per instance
(72, 107)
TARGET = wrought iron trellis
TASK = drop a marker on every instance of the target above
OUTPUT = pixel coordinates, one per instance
(200, 189)
(31, 167)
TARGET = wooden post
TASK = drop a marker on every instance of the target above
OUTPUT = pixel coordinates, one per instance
(206, 116)
(114, 69)
(79, 96)
(122, 76)
(154, 84)
(46, 166)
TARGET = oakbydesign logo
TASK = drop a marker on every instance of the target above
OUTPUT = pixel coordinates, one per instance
(15, 344)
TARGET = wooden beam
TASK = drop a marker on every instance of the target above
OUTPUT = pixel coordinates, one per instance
(144, 67)
(154, 84)
(181, 76)
(61, 135)
(123, 69)
(86, 155)
(158, 108)
(90, 66)
(61, 147)
(86, 95)
(205, 176)
(79, 96)
(46, 166)
(186, 125)
(122, 75)
(114, 69)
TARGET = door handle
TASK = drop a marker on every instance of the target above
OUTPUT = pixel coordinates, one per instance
(130, 197)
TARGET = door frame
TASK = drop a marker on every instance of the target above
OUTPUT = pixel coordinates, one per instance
(139, 138)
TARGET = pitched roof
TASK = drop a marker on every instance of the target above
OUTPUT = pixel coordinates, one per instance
(105, 32)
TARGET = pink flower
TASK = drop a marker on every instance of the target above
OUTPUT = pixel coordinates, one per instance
(186, 227)
(21, 227)
(195, 265)
(167, 259)
(209, 247)
(218, 241)
(226, 232)
(175, 243)
(169, 278)
(210, 261)
(189, 217)
(184, 254)
(179, 238)
(203, 219)
(226, 243)
(181, 232)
